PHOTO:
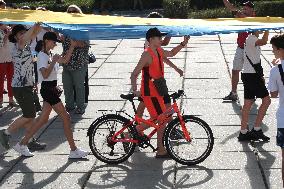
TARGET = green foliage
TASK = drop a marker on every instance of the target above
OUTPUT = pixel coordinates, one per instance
(270, 8)
(210, 13)
(194, 10)
(176, 8)
(86, 5)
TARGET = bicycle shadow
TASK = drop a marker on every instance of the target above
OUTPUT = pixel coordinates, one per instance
(137, 174)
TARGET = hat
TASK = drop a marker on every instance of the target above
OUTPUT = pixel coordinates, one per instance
(50, 36)
(154, 32)
(249, 4)
(16, 29)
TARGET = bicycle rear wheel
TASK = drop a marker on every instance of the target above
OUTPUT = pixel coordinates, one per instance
(100, 134)
(189, 152)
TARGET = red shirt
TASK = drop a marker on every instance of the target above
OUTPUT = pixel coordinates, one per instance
(154, 71)
(242, 39)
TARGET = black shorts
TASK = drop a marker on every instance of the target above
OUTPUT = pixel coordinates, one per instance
(254, 86)
(50, 92)
(280, 137)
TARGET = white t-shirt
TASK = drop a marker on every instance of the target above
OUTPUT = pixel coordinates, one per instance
(253, 52)
(276, 84)
(43, 61)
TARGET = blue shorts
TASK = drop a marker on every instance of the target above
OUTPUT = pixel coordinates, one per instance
(280, 137)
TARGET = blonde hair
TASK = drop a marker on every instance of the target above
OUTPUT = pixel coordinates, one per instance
(74, 7)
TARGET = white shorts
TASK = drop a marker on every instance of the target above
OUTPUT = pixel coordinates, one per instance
(238, 62)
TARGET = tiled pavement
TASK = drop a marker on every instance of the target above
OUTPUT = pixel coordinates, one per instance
(206, 63)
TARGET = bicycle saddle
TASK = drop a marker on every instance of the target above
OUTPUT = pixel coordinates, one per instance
(127, 97)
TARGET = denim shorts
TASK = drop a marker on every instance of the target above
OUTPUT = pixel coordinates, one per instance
(280, 137)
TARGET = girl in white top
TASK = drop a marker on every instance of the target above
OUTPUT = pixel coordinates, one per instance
(47, 72)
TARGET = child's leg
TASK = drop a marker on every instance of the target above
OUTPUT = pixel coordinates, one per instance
(262, 110)
(155, 107)
(60, 110)
(38, 123)
(245, 113)
(140, 111)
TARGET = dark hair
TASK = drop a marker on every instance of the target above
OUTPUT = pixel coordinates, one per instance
(15, 30)
(39, 46)
(2, 3)
(278, 41)
(154, 15)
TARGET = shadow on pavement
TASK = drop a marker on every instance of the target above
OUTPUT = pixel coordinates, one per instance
(29, 178)
(134, 175)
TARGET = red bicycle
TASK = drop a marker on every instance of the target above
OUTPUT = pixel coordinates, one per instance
(110, 144)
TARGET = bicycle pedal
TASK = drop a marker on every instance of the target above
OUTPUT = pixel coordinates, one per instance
(154, 149)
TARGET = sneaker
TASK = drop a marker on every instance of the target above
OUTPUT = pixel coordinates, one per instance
(4, 139)
(23, 150)
(76, 154)
(176, 134)
(247, 137)
(13, 104)
(80, 111)
(38, 109)
(35, 145)
(69, 109)
(231, 96)
(260, 135)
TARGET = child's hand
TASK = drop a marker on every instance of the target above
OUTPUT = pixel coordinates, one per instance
(55, 58)
(185, 39)
(275, 61)
(137, 93)
(180, 72)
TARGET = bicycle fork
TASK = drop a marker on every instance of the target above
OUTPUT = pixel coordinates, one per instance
(184, 130)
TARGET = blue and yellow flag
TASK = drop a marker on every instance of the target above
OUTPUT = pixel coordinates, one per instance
(90, 27)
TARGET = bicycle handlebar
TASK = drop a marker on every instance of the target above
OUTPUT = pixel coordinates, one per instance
(131, 96)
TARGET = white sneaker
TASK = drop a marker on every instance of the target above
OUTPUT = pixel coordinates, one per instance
(23, 150)
(78, 154)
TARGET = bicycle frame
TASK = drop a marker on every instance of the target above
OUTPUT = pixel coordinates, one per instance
(154, 122)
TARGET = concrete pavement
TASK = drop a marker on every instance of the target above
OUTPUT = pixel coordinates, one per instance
(206, 63)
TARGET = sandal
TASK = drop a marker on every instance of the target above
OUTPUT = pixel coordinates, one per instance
(164, 156)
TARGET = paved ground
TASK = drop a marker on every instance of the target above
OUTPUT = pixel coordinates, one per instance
(206, 62)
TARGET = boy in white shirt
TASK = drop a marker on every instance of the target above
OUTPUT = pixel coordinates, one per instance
(276, 86)
(254, 87)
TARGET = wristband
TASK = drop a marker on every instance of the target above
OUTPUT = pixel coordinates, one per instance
(182, 44)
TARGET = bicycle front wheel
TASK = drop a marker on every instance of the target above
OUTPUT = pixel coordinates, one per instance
(189, 152)
(103, 147)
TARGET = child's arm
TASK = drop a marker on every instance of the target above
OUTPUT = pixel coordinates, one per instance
(172, 65)
(263, 40)
(175, 50)
(65, 58)
(144, 60)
